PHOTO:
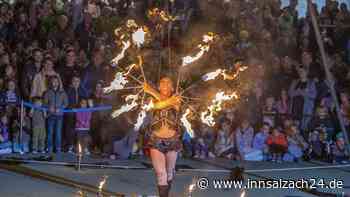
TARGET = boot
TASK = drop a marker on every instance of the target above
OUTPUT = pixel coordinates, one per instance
(163, 190)
(169, 184)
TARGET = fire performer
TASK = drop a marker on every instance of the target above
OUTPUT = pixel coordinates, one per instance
(164, 140)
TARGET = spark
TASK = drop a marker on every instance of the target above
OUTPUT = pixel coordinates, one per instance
(142, 115)
(156, 12)
(118, 83)
(79, 149)
(187, 123)
(207, 117)
(222, 72)
(207, 39)
(121, 55)
(131, 103)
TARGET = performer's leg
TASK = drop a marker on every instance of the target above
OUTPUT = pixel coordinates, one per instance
(171, 157)
(159, 165)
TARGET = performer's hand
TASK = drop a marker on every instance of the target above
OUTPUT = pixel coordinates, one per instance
(176, 102)
(146, 87)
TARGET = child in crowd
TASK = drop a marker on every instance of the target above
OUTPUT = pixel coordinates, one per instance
(319, 146)
(20, 140)
(339, 150)
(296, 145)
(259, 142)
(270, 111)
(224, 141)
(323, 119)
(11, 95)
(244, 139)
(278, 145)
(5, 143)
(38, 127)
(204, 143)
(82, 125)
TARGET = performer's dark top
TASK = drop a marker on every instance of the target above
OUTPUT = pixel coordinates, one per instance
(160, 118)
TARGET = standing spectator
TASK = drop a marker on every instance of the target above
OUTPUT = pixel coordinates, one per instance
(270, 111)
(38, 126)
(69, 69)
(303, 94)
(82, 125)
(93, 73)
(86, 33)
(29, 72)
(56, 100)
(41, 80)
(283, 106)
(75, 93)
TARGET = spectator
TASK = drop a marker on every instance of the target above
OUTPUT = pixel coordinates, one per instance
(56, 100)
(39, 127)
(82, 125)
(278, 145)
(339, 150)
(93, 73)
(5, 143)
(260, 139)
(224, 144)
(41, 80)
(303, 94)
(244, 138)
(270, 111)
(204, 143)
(69, 69)
(29, 72)
(296, 145)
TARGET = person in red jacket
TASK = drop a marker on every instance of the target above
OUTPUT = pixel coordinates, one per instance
(278, 145)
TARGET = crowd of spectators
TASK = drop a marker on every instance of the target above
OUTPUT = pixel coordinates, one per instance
(57, 53)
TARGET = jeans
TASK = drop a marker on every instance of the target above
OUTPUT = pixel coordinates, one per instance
(54, 123)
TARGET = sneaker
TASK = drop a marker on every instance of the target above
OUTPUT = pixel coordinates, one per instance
(43, 152)
(34, 152)
(211, 155)
(87, 152)
(196, 156)
(70, 150)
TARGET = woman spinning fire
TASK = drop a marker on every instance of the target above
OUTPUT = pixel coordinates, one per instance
(164, 142)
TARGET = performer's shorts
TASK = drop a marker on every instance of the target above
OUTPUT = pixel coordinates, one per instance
(165, 145)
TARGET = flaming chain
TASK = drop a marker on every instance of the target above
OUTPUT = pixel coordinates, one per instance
(223, 72)
(187, 123)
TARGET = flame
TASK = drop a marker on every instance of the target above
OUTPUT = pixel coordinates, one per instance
(132, 99)
(142, 115)
(207, 117)
(121, 55)
(79, 149)
(207, 39)
(243, 193)
(187, 123)
(138, 37)
(156, 12)
(102, 183)
(118, 83)
(212, 75)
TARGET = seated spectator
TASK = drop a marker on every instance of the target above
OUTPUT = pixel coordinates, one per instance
(283, 106)
(323, 119)
(259, 142)
(244, 139)
(277, 144)
(339, 150)
(5, 143)
(296, 145)
(204, 143)
(38, 127)
(82, 125)
(11, 94)
(224, 144)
